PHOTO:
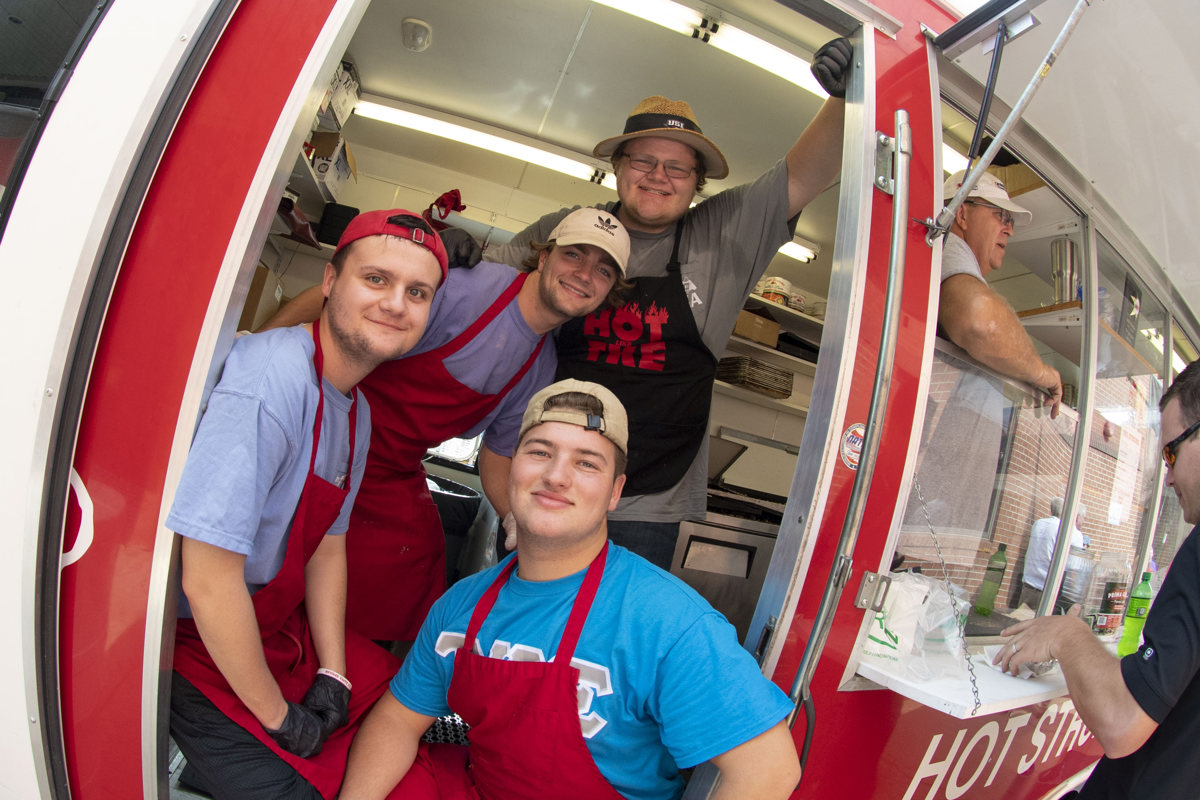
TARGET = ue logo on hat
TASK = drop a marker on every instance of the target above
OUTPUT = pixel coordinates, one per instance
(852, 444)
(606, 224)
(675, 123)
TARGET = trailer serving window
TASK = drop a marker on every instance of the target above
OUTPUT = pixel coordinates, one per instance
(993, 466)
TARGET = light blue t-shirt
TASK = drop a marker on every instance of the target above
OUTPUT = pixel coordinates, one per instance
(248, 463)
(489, 361)
(664, 683)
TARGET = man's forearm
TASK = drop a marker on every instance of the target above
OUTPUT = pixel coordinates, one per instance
(325, 602)
(304, 307)
(1098, 690)
(815, 160)
(383, 751)
(224, 616)
(1093, 676)
(493, 476)
(979, 321)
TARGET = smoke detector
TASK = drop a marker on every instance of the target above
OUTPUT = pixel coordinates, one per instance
(416, 34)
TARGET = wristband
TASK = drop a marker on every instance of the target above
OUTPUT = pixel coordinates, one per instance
(342, 679)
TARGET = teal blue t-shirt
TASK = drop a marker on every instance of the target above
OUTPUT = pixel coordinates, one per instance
(664, 684)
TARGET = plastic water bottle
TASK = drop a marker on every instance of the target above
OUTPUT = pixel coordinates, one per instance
(1114, 576)
(1135, 616)
(992, 578)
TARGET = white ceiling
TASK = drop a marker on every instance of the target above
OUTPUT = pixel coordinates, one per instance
(569, 72)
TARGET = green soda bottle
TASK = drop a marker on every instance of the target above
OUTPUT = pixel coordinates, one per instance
(1135, 616)
(992, 578)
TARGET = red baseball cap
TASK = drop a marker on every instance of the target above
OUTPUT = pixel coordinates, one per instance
(396, 222)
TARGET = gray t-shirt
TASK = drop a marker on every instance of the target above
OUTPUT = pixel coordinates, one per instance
(958, 258)
(728, 241)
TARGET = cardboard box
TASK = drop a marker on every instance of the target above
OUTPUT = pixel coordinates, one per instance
(344, 92)
(756, 328)
(332, 162)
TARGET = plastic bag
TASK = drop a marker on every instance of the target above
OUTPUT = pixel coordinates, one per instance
(894, 629)
(918, 630)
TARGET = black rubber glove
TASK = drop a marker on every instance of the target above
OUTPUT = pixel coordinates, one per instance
(302, 731)
(462, 251)
(330, 700)
(831, 66)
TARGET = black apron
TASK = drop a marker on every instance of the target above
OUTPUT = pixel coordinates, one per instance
(650, 354)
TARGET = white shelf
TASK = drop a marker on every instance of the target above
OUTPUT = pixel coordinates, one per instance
(807, 327)
(788, 406)
(748, 347)
(1060, 327)
(998, 691)
(313, 194)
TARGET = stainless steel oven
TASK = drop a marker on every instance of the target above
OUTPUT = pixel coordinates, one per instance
(725, 559)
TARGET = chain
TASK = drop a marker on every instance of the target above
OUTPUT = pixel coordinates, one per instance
(961, 620)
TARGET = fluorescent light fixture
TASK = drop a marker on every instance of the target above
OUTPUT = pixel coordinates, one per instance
(952, 160)
(680, 19)
(800, 249)
(496, 140)
(733, 40)
(764, 55)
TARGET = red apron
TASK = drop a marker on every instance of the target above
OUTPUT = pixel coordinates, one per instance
(526, 739)
(287, 641)
(395, 546)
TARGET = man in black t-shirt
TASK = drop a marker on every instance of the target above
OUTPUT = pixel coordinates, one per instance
(1144, 709)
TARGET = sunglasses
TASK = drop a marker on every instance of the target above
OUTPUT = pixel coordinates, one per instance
(1006, 216)
(1168, 451)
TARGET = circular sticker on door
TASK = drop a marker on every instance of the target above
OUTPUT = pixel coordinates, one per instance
(852, 444)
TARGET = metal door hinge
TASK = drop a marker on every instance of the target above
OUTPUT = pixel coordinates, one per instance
(885, 163)
(873, 591)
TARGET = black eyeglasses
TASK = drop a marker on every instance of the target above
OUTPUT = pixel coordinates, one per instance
(1170, 447)
(1006, 216)
(644, 163)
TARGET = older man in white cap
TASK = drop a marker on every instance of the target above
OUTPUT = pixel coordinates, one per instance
(957, 470)
(583, 670)
(974, 315)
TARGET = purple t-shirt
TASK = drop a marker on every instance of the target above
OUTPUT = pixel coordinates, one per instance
(488, 362)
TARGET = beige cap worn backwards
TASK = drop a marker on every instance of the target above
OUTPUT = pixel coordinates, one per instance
(595, 227)
(990, 189)
(611, 422)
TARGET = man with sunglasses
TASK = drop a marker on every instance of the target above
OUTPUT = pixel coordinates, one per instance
(1144, 709)
(692, 269)
(973, 315)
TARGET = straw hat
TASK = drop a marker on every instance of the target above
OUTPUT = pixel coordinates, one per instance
(668, 119)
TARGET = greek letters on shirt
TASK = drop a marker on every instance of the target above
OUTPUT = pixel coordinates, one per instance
(594, 679)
